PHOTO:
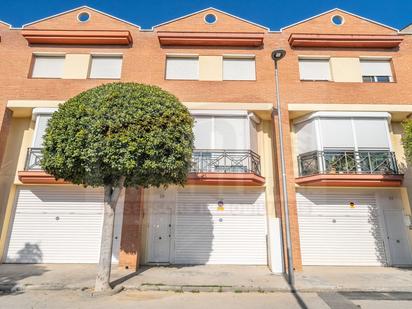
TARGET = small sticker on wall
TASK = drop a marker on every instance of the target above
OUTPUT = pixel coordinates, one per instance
(220, 206)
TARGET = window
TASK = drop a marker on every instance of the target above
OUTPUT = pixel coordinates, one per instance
(221, 132)
(337, 20)
(376, 71)
(106, 67)
(182, 68)
(333, 132)
(83, 17)
(239, 68)
(210, 18)
(314, 69)
(48, 66)
(41, 125)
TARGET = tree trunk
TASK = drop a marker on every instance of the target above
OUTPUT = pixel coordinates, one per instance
(111, 197)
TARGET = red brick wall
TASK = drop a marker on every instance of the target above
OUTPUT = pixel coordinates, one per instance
(131, 229)
(144, 62)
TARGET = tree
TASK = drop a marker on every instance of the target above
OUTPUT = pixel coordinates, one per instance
(114, 136)
(407, 139)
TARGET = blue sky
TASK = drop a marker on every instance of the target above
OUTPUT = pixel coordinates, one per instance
(271, 13)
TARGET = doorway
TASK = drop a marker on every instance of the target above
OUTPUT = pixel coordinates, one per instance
(160, 236)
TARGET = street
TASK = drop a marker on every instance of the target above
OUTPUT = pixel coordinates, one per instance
(34, 299)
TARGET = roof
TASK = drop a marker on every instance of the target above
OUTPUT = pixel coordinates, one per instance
(207, 9)
(339, 10)
(79, 8)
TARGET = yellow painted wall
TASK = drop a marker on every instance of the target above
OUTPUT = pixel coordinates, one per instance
(20, 136)
(405, 168)
(76, 66)
(267, 161)
(211, 68)
(346, 69)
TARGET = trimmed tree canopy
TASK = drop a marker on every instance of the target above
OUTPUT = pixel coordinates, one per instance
(137, 131)
(407, 139)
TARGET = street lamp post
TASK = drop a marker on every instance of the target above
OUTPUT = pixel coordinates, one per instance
(276, 56)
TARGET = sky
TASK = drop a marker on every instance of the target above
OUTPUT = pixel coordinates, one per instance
(273, 14)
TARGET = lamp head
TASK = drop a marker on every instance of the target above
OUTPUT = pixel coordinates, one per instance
(278, 54)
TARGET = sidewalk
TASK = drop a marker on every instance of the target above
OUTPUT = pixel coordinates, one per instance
(339, 278)
(210, 278)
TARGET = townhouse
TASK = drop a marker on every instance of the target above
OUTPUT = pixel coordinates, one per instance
(214, 63)
(345, 96)
(344, 92)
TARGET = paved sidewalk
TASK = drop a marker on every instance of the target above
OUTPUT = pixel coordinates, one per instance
(200, 278)
(210, 278)
(378, 279)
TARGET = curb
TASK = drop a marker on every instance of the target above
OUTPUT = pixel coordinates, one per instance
(194, 289)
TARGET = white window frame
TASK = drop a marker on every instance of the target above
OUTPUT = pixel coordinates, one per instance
(184, 56)
(38, 112)
(375, 77)
(239, 57)
(225, 114)
(314, 58)
(35, 56)
(105, 56)
(317, 116)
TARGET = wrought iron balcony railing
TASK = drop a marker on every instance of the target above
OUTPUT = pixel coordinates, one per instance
(347, 162)
(225, 161)
(33, 158)
(204, 161)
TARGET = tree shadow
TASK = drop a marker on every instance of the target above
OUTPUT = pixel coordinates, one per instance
(12, 274)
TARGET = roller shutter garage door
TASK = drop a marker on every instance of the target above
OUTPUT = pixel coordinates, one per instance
(235, 234)
(59, 224)
(334, 232)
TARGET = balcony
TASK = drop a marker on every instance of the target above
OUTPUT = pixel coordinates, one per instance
(33, 159)
(228, 167)
(336, 168)
(225, 161)
(225, 167)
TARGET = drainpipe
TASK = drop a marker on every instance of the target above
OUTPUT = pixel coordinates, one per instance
(276, 56)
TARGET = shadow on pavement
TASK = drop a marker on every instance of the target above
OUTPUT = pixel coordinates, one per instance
(120, 280)
(296, 295)
(10, 278)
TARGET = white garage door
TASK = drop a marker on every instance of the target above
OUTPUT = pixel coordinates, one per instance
(334, 232)
(205, 234)
(59, 224)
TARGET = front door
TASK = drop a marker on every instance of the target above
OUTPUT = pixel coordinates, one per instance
(160, 236)
(397, 238)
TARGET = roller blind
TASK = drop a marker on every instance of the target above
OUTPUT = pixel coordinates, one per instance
(230, 133)
(106, 67)
(48, 66)
(371, 133)
(314, 69)
(337, 133)
(239, 69)
(203, 132)
(182, 68)
(306, 137)
(376, 68)
(41, 125)
(219, 132)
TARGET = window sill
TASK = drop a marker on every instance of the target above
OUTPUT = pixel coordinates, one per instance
(316, 80)
(57, 78)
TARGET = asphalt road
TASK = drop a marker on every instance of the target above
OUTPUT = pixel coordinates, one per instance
(134, 299)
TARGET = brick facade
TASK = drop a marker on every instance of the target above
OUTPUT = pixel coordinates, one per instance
(144, 62)
(131, 229)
